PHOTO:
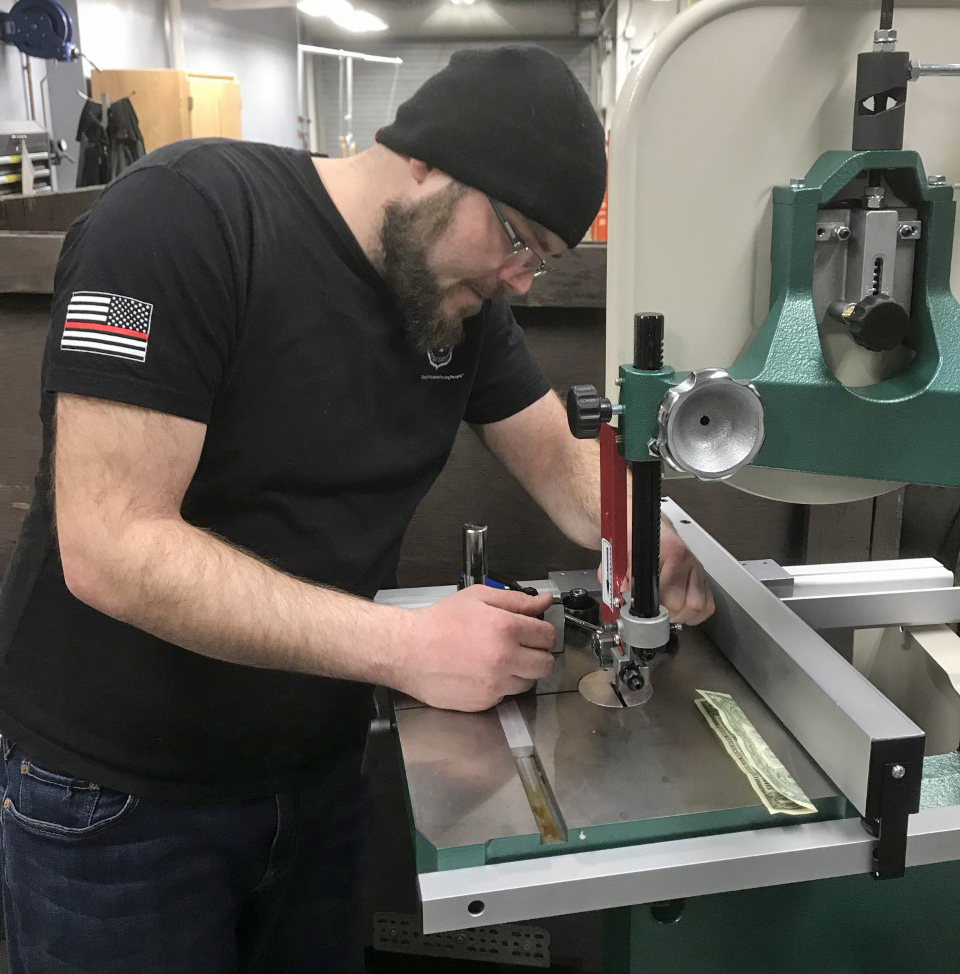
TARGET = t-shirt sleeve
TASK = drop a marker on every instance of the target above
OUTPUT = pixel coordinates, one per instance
(507, 379)
(146, 298)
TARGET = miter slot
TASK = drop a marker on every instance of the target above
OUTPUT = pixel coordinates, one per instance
(543, 804)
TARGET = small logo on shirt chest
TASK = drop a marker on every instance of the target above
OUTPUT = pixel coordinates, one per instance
(439, 358)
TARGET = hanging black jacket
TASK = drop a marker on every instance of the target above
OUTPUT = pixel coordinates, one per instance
(106, 150)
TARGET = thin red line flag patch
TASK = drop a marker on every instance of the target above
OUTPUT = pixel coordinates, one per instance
(107, 324)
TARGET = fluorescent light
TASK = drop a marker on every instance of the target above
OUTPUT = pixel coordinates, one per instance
(324, 8)
(343, 14)
(464, 2)
(359, 21)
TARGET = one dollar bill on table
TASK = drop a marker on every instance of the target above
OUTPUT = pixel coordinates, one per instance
(774, 785)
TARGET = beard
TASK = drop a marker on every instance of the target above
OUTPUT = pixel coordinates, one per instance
(407, 235)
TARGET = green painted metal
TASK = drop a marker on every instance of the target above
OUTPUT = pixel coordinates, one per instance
(851, 925)
(892, 430)
(616, 834)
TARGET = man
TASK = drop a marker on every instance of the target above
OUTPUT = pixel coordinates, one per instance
(239, 421)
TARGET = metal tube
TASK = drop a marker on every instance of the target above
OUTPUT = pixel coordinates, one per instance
(300, 98)
(340, 105)
(338, 52)
(474, 554)
(348, 118)
(29, 71)
(645, 589)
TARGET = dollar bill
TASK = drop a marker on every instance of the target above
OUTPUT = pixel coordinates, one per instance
(773, 801)
(756, 748)
(774, 785)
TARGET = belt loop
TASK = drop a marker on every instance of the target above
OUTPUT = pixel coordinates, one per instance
(8, 747)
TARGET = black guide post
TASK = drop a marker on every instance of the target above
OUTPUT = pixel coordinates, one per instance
(647, 355)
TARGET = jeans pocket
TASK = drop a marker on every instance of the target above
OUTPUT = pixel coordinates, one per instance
(50, 803)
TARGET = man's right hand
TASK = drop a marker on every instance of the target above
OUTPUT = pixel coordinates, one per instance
(473, 648)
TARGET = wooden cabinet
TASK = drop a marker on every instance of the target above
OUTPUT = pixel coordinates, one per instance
(214, 106)
(173, 105)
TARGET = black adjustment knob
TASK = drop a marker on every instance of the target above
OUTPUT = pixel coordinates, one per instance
(581, 605)
(877, 322)
(586, 410)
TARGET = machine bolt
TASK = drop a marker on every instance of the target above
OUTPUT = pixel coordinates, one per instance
(798, 183)
(873, 197)
(906, 231)
(898, 771)
(841, 233)
(618, 603)
(936, 180)
(618, 382)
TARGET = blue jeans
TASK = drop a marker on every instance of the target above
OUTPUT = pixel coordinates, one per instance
(99, 882)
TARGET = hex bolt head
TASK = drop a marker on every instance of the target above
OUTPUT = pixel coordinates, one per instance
(898, 771)
(842, 233)
(936, 180)
(906, 231)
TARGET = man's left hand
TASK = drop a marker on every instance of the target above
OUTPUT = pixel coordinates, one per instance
(684, 590)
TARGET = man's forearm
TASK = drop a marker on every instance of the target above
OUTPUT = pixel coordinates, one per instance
(560, 473)
(572, 497)
(192, 589)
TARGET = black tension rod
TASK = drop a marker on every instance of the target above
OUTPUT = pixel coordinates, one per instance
(886, 14)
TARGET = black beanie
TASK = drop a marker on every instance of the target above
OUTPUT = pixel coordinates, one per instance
(515, 123)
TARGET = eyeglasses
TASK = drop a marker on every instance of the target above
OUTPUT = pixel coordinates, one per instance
(521, 257)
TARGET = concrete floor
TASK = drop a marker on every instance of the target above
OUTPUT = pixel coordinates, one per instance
(397, 964)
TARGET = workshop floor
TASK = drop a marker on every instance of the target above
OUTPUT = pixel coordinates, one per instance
(381, 963)
(378, 963)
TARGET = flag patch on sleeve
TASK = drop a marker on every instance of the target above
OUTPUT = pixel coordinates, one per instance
(107, 324)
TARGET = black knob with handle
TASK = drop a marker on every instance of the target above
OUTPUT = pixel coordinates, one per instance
(586, 410)
(877, 322)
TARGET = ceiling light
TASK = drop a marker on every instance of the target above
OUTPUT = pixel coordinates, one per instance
(465, 3)
(359, 21)
(343, 14)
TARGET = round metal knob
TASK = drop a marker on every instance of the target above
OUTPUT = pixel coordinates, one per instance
(710, 425)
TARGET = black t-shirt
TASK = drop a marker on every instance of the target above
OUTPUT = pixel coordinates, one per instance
(217, 281)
